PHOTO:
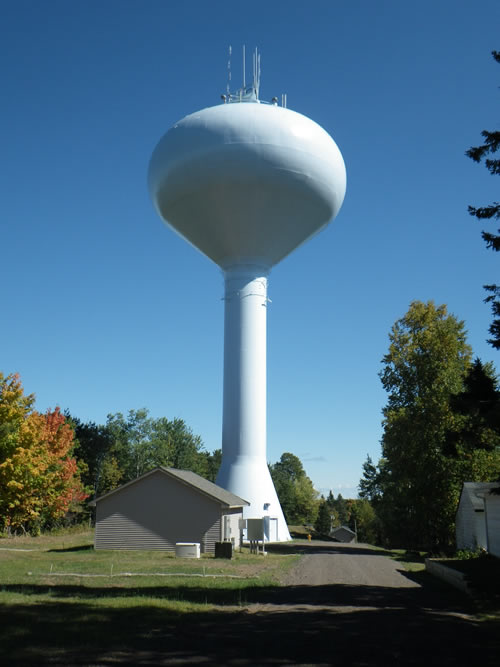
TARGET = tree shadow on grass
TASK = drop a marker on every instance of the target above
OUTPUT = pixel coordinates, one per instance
(81, 547)
(430, 592)
(257, 625)
(328, 625)
(325, 547)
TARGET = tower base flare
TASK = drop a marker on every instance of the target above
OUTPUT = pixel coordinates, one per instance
(250, 479)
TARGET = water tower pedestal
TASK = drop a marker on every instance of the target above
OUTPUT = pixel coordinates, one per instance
(244, 469)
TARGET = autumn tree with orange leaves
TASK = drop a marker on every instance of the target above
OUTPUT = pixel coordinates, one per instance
(39, 478)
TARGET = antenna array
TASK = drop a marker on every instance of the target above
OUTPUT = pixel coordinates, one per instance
(228, 87)
(250, 93)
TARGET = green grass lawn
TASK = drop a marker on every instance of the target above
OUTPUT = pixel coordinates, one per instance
(62, 602)
(67, 567)
(412, 561)
(57, 594)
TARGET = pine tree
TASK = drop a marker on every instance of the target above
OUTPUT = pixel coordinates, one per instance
(490, 147)
(323, 521)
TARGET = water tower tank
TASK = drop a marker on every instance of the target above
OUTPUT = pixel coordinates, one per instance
(247, 182)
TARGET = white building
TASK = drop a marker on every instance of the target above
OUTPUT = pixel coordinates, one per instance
(492, 513)
(477, 523)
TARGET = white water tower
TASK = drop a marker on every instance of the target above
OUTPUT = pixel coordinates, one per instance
(246, 182)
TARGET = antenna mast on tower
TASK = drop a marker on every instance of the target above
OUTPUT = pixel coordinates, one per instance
(228, 87)
(250, 93)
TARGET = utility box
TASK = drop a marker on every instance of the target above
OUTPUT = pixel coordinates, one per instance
(255, 529)
(223, 549)
(187, 549)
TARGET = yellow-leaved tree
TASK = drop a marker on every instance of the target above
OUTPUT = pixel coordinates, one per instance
(39, 478)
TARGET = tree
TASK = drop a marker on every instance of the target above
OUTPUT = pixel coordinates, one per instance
(305, 510)
(211, 464)
(289, 467)
(330, 500)
(92, 446)
(477, 411)
(296, 493)
(131, 443)
(426, 364)
(39, 477)
(127, 447)
(323, 523)
(343, 514)
(490, 146)
(364, 521)
(176, 446)
(369, 485)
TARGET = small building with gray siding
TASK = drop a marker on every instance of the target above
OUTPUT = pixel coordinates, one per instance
(343, 534)
(165, 506)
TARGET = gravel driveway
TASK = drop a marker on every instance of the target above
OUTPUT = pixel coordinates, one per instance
(342, 605)
(347, 564)
(345, 605)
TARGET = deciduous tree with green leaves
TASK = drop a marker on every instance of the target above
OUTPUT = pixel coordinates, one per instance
(426, 364)
(128, 446)
(296, 493)
(364, 521)
(441, 428)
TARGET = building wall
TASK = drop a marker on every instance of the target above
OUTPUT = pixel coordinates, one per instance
(233, 517)
(343, 535)
(155, 513)
(470, 526)
(493, 523)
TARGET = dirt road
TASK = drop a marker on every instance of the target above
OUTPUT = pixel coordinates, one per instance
(341, 605)
(345, 605)
(326, 564)
(348, 564)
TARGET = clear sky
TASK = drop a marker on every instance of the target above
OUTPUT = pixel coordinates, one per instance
(104, 309)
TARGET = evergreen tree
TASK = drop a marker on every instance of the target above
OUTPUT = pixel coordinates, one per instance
(92, 446)
(331, 500)
(477, 410)
(369, 485)
(342, 511)
(490, 147)
(323, 521)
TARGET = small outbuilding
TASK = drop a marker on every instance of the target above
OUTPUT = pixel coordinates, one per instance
(343, 534)
(477, 522)
(470, 519)
(491, 497)
(166, 506)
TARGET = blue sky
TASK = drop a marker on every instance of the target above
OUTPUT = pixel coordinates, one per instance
(104, 309)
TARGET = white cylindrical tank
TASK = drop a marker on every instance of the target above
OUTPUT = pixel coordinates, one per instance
(247, 183)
